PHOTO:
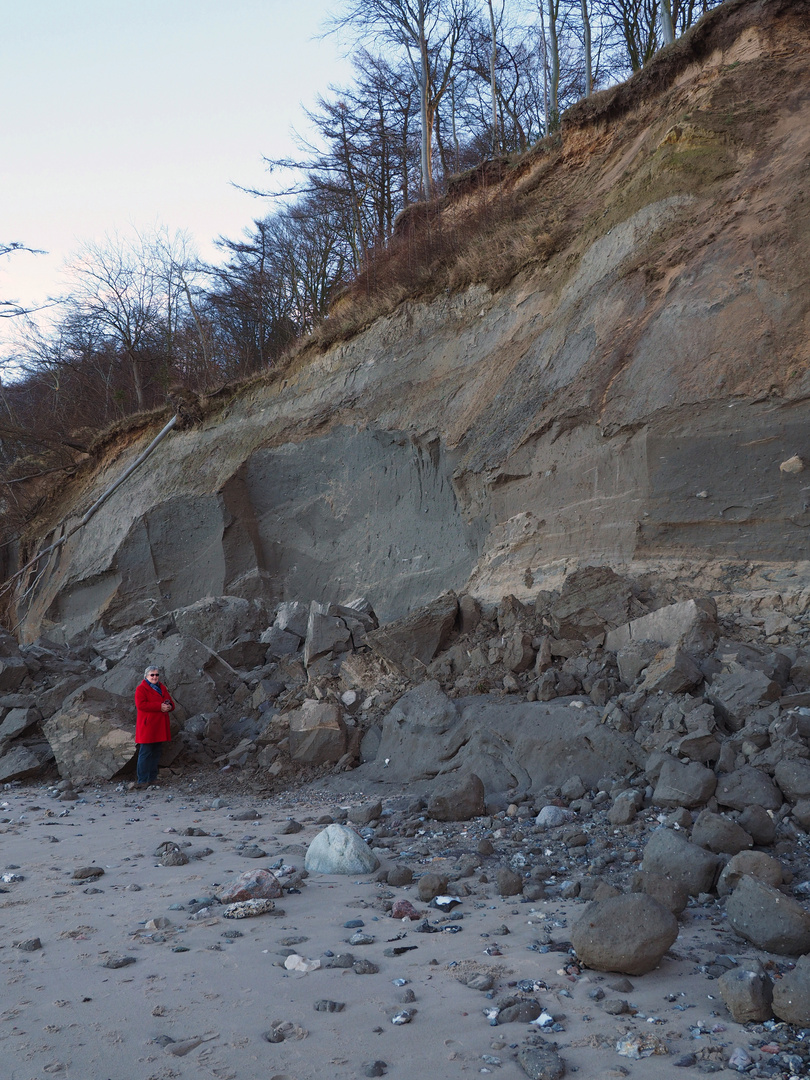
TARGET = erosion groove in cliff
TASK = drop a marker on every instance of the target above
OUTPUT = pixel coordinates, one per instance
(629, 396)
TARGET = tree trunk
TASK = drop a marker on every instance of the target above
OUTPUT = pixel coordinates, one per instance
(493, 59)
(586, 28)
(424, 119)
(554, 79)
(667, 29)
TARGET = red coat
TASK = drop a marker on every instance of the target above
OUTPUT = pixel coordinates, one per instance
(151, 723)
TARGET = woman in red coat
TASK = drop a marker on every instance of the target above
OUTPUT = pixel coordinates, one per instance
(154, 703)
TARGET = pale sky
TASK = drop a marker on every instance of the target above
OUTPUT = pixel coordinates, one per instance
(121, 113)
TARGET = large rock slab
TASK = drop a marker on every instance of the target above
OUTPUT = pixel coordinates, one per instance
(672, 856)
(327, 633)
(339, 850)
(529, 745)
(593, 599)
(13, 670)
(94, 736)
(691, 624)
(317, 733)
(628, 933)
(671, 671)
(410, 643)
(768, 919)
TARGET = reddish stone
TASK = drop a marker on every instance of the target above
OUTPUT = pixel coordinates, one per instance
(404, 909)
(252, 885)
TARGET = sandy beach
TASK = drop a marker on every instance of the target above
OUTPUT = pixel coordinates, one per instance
(199, 994)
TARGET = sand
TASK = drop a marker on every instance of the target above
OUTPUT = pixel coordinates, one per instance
(64, 1014)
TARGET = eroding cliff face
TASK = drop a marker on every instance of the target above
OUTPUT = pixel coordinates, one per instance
(628, 398)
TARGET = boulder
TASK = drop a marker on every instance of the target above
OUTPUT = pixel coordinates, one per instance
(625, 807)
(768, 919)
(628, 933)
(541, 1063)
(410, 643)
(592, 600)
(317, 733)
(457, 798)
(672, 856)
(292, 616)
(93, 737)
(518, 655)
(216, 621)
(691, 624)
(720, 834)
(680, 784)
(278, 643)
(747, 993)
(634, 658)
(793, 778)
(747, 787)
(672, 894)
(339, 850)
(430, 885)
(739, 691)
(756, 820)
(508, 882)
(17, 721)
(791, 994)
(18, 764)
(671, 671)
(251, 885)
(327, 634)
(13, 670)
(245, 652)
(755, 864)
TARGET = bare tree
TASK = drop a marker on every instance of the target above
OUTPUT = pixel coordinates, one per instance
(429, 31)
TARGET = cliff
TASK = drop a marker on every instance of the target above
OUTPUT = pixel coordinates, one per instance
(631, 395)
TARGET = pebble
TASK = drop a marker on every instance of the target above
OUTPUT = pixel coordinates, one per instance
(374, 1068)
(117, 961)
(327, 1005)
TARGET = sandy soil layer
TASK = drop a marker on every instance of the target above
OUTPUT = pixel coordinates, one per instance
(63, 1013)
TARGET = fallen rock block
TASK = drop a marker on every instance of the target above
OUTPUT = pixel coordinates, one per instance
(748, 994)
(592, 600)
(457, 799)
(94, 737)
(628, 933)
(747, 787)
(317, 733)
(756, 864)
(688, 785)
(671, 671)
(768, 919)
(739, 692)
(672, 856)
(410, 643)
(18, 764)
(691, 624)
(720, 834)
(791, 994)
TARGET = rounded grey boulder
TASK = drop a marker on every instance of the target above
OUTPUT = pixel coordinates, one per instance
(628, 933)
(339, 850)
